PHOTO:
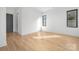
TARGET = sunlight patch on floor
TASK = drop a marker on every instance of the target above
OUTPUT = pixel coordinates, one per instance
(47, 36)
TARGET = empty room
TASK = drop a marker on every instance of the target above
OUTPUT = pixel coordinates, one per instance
(39, 29)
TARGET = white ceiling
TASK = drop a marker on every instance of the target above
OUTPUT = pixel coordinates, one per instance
(44, 9)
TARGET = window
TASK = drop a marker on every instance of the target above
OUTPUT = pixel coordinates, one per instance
(44, 17)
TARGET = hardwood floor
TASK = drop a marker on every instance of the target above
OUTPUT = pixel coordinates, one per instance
(41, 41)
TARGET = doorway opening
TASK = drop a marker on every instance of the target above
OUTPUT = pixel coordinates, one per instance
(9, 23)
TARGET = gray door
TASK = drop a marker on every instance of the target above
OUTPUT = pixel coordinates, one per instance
(9, 22)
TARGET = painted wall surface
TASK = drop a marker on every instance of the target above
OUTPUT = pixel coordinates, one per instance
(2, 26)
(57, 21)
(30, 20)
(19, 20)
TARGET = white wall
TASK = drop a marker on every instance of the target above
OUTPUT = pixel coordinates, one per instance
(30, 20)
(19, 20)
(2, 26)
(57, 21)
